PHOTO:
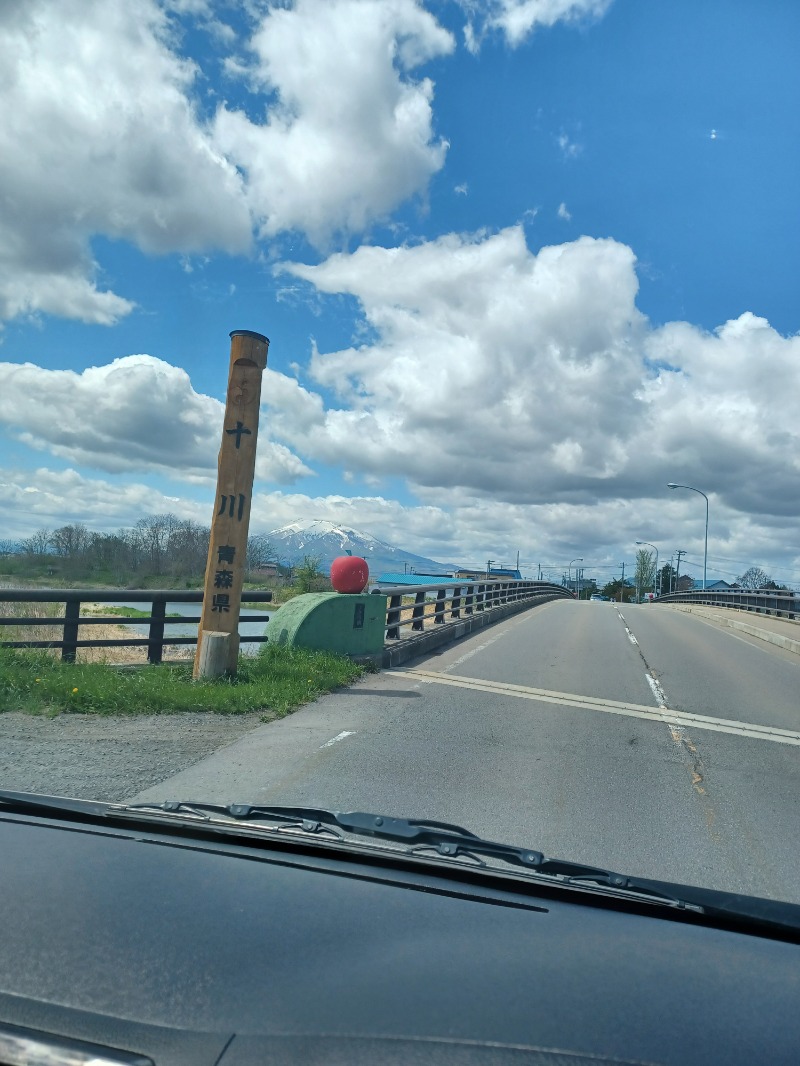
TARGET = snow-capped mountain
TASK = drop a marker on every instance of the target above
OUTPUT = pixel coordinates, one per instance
(327, 541)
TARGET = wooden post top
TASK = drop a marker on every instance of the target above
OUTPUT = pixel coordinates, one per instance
(249, 348)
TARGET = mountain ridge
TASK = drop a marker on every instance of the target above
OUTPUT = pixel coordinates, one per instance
(328, 540)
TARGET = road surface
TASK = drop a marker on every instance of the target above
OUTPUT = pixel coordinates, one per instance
(640, 738)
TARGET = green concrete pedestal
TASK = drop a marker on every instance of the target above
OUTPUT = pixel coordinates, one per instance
(330, 621)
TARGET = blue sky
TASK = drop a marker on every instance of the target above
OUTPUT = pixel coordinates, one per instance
(521, 263)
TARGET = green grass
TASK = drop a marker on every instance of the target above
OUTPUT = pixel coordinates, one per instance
(132, 612)
(273, 682)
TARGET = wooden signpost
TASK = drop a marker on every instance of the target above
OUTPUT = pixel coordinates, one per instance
(218, 635)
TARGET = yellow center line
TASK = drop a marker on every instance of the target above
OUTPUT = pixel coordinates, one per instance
(591, 703)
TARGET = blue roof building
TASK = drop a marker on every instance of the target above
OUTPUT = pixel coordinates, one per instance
(417, 579)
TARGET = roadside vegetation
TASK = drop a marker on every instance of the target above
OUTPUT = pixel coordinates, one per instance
(159, 551)
(122, 612)
(274, 682)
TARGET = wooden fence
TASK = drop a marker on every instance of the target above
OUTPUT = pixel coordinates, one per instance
(72, 621)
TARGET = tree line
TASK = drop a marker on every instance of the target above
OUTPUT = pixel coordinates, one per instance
(158, 546)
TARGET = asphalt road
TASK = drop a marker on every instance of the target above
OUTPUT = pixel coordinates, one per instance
(639, 738)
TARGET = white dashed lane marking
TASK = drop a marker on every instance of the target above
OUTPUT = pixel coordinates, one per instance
(339, 736)
(657, 690)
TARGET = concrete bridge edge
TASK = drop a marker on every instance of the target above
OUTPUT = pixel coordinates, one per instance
(415, 647)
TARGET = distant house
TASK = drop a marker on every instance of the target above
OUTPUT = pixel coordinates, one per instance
(697, 585)
(264, 570)
(415, 577)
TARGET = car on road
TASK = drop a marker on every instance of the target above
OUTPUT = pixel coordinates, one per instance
(189, 933)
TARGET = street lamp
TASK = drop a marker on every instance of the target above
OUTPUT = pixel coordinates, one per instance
(658, 576)
(569, 568)
(705, 550)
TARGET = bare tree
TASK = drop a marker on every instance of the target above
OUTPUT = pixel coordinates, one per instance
(38, 543)
(754, 578)
(187, 548)
(259, 551)
(154, 534)
(70, 542)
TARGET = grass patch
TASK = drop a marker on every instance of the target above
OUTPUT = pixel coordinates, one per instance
(274, 682)
(126, 612)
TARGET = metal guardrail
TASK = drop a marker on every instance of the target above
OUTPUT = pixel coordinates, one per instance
(445, 602)
(72, 620)
(762, 601)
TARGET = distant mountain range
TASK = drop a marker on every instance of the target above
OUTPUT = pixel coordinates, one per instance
(327, 541)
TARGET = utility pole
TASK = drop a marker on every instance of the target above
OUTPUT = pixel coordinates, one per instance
(622, 586)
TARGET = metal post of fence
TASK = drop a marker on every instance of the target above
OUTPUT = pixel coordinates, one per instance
(155, 636)
(69, 638)
(480, 597)
(455, 603)
(470, 599)
(393, 618)
(418, 614)
(438, 617)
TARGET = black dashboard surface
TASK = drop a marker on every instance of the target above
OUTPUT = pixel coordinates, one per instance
(185, 951)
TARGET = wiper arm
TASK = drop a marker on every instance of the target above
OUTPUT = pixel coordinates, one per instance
(420, 835)
(446, 838)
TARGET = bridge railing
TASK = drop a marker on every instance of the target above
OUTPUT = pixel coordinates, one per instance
(72, 621)
(762, 601)
(416, 607)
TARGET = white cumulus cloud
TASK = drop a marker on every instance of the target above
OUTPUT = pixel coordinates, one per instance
(518, 19)
(350, 134)
(492, 367)
(98, 136)
(137, 413)
(534, 378)
(102, 134)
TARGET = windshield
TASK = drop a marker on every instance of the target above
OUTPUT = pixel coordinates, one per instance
(398, 414)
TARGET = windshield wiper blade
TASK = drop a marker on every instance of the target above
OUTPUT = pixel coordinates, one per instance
(419, 835)
(444, 839)
(450, 841)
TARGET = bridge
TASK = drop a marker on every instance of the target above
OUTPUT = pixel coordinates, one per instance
(660, 739)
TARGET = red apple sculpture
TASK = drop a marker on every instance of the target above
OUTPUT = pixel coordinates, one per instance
(349, 574)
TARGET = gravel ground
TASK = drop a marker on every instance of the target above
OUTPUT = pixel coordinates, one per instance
(108, 758)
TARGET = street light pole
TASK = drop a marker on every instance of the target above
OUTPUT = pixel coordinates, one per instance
(657, 575)
(691, 488)
(579, 559)
(680, 554)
